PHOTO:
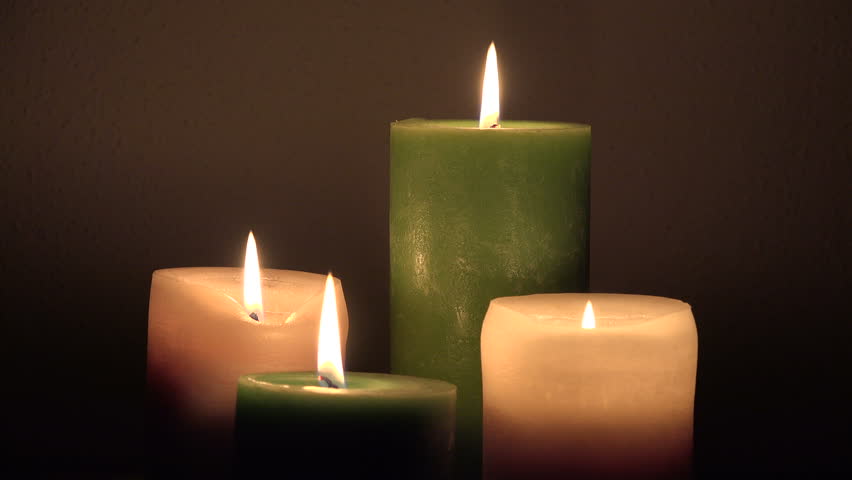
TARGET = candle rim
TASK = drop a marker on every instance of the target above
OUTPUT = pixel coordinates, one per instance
(358, 384)
(195, 276)
(572, 320)
(196, 273)
(505, 125)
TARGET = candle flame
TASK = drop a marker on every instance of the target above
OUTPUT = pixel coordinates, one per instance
(589, 316)
(489, 115)
(251, 281)
(329, 361)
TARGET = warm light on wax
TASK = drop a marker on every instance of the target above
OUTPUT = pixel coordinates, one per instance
(563, 400)
(251, 281)
(588, 316)
(329, 361)
(489, 115)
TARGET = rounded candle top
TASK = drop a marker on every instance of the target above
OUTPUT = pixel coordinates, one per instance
(613, 312)
(286, 291)
(359, 384)
(505, 125)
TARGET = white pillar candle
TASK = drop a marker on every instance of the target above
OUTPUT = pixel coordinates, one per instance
(201, 338)
(615, 400)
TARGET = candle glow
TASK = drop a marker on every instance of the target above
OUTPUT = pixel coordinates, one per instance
(489, 115)
(608, 401)
(588, 316)
(329, 361)
(251, 281)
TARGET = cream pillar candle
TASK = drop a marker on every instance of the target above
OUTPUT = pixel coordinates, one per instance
(201, 338)
(609, 399)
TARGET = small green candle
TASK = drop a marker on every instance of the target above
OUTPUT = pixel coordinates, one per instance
(379, 426)
(332, 424)
(477, 214)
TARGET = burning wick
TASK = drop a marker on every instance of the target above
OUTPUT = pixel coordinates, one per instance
(329, 357)
(252, 282)
(326, 382)
(489, 113)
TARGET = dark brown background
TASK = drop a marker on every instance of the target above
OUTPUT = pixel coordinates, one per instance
(135, 136)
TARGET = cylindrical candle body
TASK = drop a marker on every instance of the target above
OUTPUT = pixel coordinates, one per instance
(379, 427)
(477, 214)
(561, 401)
(201, 339)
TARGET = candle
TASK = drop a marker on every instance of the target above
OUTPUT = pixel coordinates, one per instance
(479, 213)
(208, 326)
(357, 425)
(609, 396)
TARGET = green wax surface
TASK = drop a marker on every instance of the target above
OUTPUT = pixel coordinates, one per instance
(380, 426)
(477, 214)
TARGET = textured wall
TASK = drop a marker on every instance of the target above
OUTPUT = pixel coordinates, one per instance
(136, 136)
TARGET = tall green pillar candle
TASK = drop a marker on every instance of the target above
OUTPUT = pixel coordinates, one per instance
(477, 214)
(379, 427)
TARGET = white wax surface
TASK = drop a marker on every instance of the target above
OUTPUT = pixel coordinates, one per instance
(612, 401)
(201, 339)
